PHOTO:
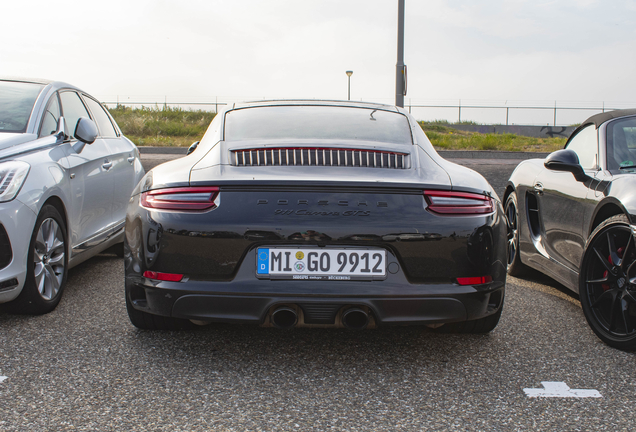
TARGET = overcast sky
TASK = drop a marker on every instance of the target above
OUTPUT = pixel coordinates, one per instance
(575, 52)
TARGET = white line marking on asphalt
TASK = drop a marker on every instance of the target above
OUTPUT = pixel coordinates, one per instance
(2, 378)
(560, 389)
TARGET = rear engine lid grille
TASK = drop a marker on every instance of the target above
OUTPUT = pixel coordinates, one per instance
(320, 156)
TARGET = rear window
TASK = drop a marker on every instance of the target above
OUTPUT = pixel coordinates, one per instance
(317, 122)
(16, 104)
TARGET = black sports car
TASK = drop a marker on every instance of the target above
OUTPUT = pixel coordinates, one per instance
(572, 217)
(315, 213)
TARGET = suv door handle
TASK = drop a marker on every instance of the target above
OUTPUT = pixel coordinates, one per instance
(107, 165)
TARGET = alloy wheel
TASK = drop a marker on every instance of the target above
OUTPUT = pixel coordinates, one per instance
(609, 270)
(513, 233)
(49, 259)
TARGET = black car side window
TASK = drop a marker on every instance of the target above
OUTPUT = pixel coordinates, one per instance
(72, 110)
(585, 145)
(51, 116)
(621, 143)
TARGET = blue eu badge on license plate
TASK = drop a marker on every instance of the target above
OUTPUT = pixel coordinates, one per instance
(263, 261)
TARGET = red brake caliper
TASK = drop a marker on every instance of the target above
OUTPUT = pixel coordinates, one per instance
(619, 252)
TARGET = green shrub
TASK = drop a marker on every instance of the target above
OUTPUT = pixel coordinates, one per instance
(166, 122)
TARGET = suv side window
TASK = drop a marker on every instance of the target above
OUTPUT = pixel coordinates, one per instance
(102, 119)
(585, 145)
(51, 116)
(72, 110)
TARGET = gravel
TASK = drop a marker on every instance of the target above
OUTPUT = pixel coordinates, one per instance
(85, 367)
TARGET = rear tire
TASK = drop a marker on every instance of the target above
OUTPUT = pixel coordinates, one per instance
(515, 266)
(47, 265)
(148, 321)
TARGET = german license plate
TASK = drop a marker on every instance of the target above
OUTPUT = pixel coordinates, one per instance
(321, 263)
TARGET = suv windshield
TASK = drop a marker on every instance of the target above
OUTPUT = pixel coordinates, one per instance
(16, 104)
(317, 122)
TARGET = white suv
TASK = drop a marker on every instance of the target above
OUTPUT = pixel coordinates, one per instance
(66, 175)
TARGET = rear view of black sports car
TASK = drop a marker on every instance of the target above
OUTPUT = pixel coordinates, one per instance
(315, 213)
(573, 217)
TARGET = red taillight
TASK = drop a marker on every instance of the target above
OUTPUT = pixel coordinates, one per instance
(184, 199)
(458, 203)
(168, 277)
(476, 280)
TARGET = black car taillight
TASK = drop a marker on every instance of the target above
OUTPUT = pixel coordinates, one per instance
(181, 199)
(458, 203)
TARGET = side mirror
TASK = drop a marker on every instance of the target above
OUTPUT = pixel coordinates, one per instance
(193, 147)
(565, 160)
(86, 130)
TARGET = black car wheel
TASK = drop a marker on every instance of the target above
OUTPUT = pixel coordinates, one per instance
(47, 264)
(515, 267)
(607, 284)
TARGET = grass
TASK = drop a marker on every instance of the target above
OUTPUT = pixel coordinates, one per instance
(162, 127)
(175, 127)
(444, 137)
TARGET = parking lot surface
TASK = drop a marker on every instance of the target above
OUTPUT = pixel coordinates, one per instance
(85, 367)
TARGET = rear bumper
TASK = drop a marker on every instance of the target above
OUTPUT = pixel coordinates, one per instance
(435, 304)
(216, 253)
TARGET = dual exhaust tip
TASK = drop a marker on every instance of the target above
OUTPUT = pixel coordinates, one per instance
(353, 318)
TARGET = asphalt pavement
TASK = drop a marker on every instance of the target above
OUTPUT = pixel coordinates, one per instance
(85, 367)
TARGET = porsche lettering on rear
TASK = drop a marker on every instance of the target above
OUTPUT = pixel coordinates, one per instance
(321, 213)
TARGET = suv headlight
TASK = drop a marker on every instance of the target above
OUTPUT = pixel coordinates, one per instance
(12, 176)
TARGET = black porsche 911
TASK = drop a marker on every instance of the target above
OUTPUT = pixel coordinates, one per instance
(573, 217)
(315, 213)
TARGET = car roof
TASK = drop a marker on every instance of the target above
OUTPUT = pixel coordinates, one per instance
(315, 102)
(599, 119)
(55, 84)
(26, 80)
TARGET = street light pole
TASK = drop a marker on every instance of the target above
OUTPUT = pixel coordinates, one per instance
(349, 73)
(400, 76)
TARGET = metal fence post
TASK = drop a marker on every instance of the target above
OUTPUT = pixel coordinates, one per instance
(460, 111)
(400, 77)
(507, 110)
(555, 113)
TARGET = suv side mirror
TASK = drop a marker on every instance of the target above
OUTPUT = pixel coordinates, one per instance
(565, 160)
(193, 147)
(85, 130)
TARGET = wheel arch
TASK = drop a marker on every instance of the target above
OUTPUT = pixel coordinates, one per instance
(608, 208)
(510, 188)
(57, 202)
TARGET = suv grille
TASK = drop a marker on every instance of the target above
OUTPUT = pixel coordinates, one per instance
(5, 248)
(320, 157)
